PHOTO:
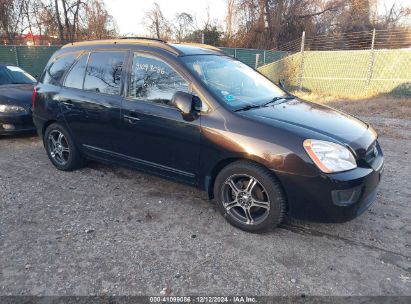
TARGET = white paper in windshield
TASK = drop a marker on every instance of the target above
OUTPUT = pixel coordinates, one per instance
(14, 69)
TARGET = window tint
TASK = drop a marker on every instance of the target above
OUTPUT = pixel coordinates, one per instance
(103, 73)
(75, 77)
(58, 67)
(154, 80)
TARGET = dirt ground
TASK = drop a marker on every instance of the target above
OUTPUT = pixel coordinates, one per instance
(103, 230)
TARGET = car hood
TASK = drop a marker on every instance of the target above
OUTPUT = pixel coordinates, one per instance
(326, 122)
(16, 94)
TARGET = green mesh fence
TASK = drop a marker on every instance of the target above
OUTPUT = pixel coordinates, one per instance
(345, 73)
(341, 73)
(254, 57)
(32, 59)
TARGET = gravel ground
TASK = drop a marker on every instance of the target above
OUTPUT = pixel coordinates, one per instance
(106, 230)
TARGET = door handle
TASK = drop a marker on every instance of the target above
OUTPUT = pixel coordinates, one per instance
(131, 118)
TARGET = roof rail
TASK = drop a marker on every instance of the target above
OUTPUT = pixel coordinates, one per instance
(153, 41)
(143, 38)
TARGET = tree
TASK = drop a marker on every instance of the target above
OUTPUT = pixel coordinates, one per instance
(393, 16)
(157, 24)
(230, 19)
(69, 20)
(269, 23)
(67, 14)
(184, 25)
(99, 23)
(10, 18)
(211, 35)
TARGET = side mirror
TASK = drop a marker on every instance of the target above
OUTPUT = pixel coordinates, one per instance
(281, 83)
(188, 104)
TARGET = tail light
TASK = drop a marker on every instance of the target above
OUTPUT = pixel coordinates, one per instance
(33, 99)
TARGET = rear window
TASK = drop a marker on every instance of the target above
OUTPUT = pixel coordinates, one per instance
(56, 69)
(103, 73)
(75, 77)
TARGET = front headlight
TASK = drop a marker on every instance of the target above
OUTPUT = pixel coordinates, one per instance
(328, 156)
(11, 109)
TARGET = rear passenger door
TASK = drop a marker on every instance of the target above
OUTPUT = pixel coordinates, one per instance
(91, 100)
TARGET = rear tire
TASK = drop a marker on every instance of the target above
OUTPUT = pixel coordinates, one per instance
(61, 149)
(250, 197)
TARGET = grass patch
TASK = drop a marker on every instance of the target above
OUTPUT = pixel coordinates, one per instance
(380, 106)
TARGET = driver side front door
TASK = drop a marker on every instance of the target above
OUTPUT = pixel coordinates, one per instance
(155, 136)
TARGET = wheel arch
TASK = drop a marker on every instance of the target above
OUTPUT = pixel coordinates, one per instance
(209, 180)
(44, 128)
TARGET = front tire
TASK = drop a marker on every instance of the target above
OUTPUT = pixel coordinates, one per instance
(250, 197)
(61, 149)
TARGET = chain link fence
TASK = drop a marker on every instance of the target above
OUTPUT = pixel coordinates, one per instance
(34, 58)
(353, 65)
(255, 57)
(345, 65)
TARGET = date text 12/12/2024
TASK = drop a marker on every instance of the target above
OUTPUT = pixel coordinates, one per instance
(204, 299)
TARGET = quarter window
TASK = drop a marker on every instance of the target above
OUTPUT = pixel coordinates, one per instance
(58, 67)
(103, 73)
(154, 80)
(75, 77)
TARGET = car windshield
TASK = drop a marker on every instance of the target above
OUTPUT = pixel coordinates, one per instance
(236, 84)
(15, 75)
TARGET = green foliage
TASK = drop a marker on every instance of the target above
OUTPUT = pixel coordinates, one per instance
(211, 35)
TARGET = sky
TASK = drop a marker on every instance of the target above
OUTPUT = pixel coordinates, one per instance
(129, 14)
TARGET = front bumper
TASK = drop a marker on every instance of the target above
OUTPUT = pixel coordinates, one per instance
(316, 199)
(11, 123)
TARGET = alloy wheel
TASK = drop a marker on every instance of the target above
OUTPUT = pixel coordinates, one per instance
(245, 199)
(58, 147)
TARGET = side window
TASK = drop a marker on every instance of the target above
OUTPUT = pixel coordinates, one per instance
(75, 77)
(103, 73)
(58, 67)
(154, 80)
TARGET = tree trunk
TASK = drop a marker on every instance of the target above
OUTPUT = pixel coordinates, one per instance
(66, 20)
(75, 20)
(60, 25)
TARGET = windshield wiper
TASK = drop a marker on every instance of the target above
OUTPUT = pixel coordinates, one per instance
(274, 100)
(249, 107)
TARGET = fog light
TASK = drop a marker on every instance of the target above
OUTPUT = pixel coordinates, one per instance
(8, 127)
(346, 197)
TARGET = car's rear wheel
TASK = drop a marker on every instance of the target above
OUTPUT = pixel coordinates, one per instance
(250, 197)
(61, 149)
